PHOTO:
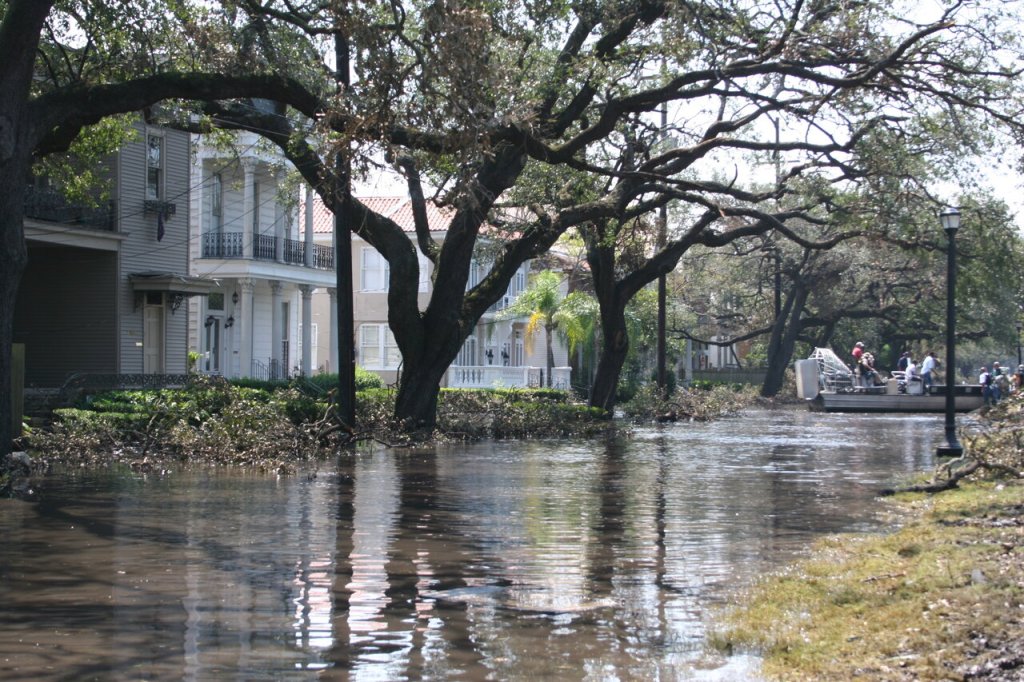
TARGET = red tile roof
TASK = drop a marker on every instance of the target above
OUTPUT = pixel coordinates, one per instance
(398, 209)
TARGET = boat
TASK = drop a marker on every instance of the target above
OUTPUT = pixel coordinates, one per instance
(828, 385)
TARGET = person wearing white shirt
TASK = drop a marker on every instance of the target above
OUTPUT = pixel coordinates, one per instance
(927, 366)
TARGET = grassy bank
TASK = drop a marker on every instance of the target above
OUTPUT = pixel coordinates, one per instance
(941, 598)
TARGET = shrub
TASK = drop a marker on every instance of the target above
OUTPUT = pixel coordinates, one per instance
(365, 379)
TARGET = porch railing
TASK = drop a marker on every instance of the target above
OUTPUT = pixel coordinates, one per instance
(222, 245)
(53, 207)
(491, 376)
(230, 245)
(264, 247)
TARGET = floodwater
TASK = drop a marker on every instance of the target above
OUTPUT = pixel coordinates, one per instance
(594, 560)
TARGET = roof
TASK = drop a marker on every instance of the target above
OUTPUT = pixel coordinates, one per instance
(397, 209)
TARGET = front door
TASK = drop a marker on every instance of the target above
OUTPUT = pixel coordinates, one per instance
(153, 334)
(213, 345)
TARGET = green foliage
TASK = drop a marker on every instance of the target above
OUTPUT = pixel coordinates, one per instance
(83, 174)
(210, 421)
(365, 379)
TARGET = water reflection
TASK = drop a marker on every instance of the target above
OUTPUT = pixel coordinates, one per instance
(501, 561)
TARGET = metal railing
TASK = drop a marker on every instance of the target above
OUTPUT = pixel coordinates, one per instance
(270, 370)
(294, 252)
(230, 245)
(222, 245)
(52, 206)
(323, 257)
(264, 247)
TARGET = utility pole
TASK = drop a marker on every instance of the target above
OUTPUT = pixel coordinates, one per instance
(662, 278)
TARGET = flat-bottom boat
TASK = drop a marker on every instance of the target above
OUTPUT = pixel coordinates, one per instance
(828, 385)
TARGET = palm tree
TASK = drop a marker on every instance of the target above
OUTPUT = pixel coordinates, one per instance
(574, 316)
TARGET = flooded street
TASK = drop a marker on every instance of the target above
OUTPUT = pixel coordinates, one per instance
(594, 560)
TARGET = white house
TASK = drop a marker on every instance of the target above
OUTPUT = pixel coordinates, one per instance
(246, 238)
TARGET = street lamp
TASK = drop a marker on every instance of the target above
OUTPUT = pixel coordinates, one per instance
(950, 219)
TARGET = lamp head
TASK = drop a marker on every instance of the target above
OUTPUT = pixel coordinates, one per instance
(950, 218)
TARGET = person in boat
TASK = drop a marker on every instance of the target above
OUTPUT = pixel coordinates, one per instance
(867, 369)
(857, 352)
(928, 365)
(911, 375)
(901, 364)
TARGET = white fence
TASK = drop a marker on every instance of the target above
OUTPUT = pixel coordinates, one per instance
(490, 376)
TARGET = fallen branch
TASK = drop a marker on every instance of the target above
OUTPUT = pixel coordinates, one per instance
(970, 466)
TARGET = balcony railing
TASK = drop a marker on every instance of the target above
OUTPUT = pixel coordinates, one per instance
(323, 257)
(53, 207)
(265, 247)
(494, 376)
(222, 245)
(230, 245)
(294, 252)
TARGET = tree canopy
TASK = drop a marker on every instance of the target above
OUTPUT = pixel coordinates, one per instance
(528, 118)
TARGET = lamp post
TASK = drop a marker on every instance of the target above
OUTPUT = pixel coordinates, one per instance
(950, 219)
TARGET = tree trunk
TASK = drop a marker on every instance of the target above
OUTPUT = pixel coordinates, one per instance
(783, 340)
(549, 332)
(13, 257)
(614, 337)
(19, 40)
(614, 348)
(416, 402)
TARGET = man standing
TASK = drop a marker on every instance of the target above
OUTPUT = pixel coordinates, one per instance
(929, 364)
(901, 364)
(985, 379)
(995, 382)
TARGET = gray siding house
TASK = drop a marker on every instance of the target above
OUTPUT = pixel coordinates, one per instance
(105, 287)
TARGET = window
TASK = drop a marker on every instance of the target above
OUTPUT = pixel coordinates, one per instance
(475, 274)
(519, 281)
(375, 272)
(377, 347)
(215, 301)
(467, 356)
(154, 167)
(216, 203)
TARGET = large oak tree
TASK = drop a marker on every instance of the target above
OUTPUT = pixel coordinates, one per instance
(532, 106)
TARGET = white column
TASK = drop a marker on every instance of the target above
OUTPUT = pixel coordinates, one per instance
(280, 228)
(308, 253)
(245, 342)
(307, 329)
(333, 343)
(276, 326)
(248, 209)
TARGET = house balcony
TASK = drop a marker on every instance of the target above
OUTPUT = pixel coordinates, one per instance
(267, 248)
(53, 207)
(491, 376)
